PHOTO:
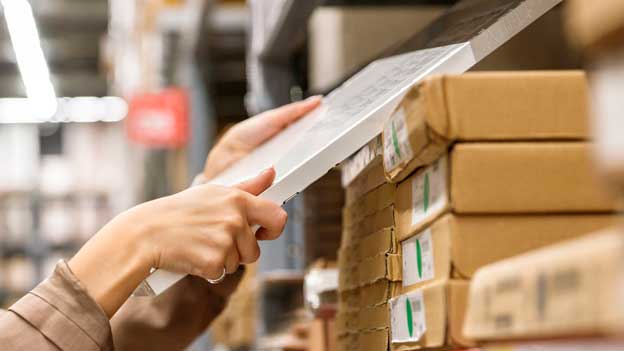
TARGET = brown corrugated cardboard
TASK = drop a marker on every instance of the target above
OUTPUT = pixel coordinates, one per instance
(374, 258)
(595, 25)
(375, 317)
(431, 316)
(379, 220)
(378, 293)
(368, 180)
(502, 178)
(381, 267)
(458, 245)
(379, 243)
(374, 340)
(372, 202)
(483, 106)
(570, 289)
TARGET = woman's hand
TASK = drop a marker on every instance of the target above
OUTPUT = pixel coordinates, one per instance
(206, 228)
(244, 137)
(198, 231)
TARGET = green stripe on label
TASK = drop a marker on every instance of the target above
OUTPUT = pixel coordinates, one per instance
(419, 258)
(426, 193)
(410, 317)
(395, 141)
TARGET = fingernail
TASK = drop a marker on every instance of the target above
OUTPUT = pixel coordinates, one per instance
(267, 170)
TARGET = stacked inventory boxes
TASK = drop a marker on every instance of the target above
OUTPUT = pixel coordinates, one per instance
(479, 167)
(368, 259)
(501, 168)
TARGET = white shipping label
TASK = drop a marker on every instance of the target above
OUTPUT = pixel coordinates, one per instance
(429, 191)
(418, 259)
(407, 317)
(397, 149)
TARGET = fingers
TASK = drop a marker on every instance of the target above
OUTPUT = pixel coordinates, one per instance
(283, 116)
(260, 183)
(268, 215)
(269, 123)
(247, 246)
(232, 261)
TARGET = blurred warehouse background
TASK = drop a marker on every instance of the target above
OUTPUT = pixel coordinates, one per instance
(144, 87)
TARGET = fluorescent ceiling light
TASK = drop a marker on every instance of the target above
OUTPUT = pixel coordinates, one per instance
(30, 60)
(78, 109)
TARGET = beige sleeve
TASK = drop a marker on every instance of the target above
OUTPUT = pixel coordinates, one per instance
(174, 319)
(58, 314)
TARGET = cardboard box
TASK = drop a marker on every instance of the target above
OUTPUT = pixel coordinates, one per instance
(457, 245)
(375, 258)
(502, 178)
(361, 161)
(431, 316)
(595, 25)
(378, 293)
(570, 289)
(483, 106)
(371, 203)
(374, 317)
(341, 38)
(352, 234)
(365, 182)
(371, 270)
(373, 340)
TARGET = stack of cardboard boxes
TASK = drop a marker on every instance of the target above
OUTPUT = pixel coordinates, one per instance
(368, 260)
(569, 293)
(480, 167)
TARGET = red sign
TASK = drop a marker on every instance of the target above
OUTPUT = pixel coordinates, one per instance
(159, 119)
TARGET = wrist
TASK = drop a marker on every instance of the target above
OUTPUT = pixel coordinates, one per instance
(112, 264)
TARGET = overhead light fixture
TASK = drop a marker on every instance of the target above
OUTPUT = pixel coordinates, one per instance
(77, 109)
(30, 59)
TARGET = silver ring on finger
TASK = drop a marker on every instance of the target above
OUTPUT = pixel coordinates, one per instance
(218, 280)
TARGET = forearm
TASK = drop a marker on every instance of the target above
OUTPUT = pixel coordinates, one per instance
(111, 265)
(172, 320)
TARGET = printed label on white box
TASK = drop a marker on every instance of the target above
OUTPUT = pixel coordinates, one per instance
(418, 265)
(407, 317)
(429, 191)
(397, 149)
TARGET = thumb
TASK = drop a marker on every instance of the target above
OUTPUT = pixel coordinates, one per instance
(258, 184)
